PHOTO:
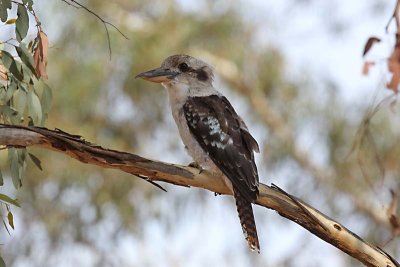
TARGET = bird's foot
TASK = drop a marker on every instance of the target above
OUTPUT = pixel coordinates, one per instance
(197, 166)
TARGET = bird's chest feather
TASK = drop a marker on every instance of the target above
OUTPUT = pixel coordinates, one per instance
(193, 147)
(195, 150)
(178, 95)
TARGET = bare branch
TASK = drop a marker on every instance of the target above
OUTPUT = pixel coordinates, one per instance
(286, 205)
(394, 15)
(78, 5)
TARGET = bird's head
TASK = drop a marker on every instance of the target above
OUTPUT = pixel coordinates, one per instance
(180, 69)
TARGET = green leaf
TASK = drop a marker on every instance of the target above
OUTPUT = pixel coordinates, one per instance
(26, 57)
(36, 161)
(45, 100)
(2, 263)
(22, 24)
(11, 64)
(1, 179)
(7, 4)
(20, 97)
(28, 3)
(27, 73)
(22, 154)
(4, 5)
(2, 94)
(9, 200)
(4, 110)
(3, 12)
(10, 218)
(15, 167)
(10, 91)
(10, 114)
(34, 107)
(22, 87)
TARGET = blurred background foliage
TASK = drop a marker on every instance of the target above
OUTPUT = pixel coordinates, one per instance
(78, 215)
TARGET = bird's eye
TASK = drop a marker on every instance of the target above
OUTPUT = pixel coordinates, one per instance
(183, 67)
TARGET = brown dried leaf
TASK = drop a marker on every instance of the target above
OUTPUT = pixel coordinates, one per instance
(3, 73)
(394, 68)
(367, 65)
(370, 42)
(10, 218)
(40, 55)
(11, 21)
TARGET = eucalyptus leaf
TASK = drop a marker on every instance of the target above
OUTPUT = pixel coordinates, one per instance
(10, 91)
(27, 73)
(15, 169)
(36, 161)
(20, 100)
(34, 107)
(10, 218)
(11, 64)
(22, 23)
(3, 11)
(28, 3)
(9, 200)
(46, 98)
(22, 154)
(6, 4)
(10, 115)
(20, 69)
(2, 94)
(26, 57)
(22, 87)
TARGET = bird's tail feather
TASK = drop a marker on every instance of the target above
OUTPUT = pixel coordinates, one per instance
(246, 217)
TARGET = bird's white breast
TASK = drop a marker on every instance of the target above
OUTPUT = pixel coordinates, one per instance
(178, 94)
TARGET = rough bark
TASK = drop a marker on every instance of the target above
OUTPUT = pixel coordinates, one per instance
(271, 197)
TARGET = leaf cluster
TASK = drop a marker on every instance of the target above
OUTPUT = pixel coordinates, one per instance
(24, 96)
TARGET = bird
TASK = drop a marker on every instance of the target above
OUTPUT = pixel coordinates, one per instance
(215, 136)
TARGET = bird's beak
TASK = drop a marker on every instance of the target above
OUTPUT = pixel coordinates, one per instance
(159, 75)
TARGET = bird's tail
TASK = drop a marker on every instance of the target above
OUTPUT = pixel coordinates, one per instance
(246, 217)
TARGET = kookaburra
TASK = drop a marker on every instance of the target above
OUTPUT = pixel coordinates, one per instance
(215, 136)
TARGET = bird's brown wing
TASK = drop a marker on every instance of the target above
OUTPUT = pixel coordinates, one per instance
(224, 137)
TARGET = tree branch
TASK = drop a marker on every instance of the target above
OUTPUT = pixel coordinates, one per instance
(270, 197)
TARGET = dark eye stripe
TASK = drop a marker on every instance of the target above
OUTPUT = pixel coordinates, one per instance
(183, 67)
(202, 75)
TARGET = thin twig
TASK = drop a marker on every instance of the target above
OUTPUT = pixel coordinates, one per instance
(105, 23)
(396, 9)
(70, 4)
(396, 15)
